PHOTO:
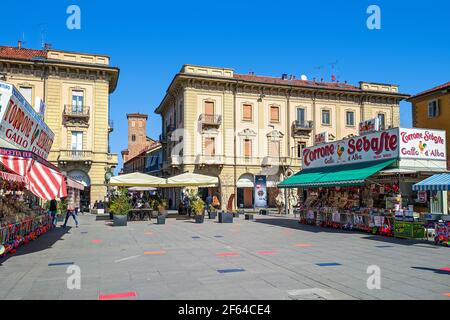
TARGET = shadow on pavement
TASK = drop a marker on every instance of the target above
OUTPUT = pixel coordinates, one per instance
(44, 242)
(438, 271)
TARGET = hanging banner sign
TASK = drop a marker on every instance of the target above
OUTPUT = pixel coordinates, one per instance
(260, 192)
(368, 126)
(20, 125)
(321, 138)
(424, 144)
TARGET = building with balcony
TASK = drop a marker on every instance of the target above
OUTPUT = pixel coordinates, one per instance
(75, 88)
(235, 126)
(430, 109)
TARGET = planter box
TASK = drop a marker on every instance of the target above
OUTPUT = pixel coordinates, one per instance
(199, 218)
(263, 212)
(212, 215)
(225, 217)
(120, 220)
(248, 216)
(236, 214)
(161, 219)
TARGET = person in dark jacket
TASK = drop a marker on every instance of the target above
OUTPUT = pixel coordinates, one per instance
(53, 209)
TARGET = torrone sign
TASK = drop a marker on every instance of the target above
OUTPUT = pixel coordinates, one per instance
(20, 125)
(389, 144)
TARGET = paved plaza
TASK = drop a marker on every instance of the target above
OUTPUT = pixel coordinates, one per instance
(269, 258)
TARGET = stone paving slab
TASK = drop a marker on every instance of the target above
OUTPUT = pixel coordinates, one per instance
(279, 257)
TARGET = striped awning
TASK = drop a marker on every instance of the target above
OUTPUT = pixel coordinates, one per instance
(44, 179)
(438, 182)
(13, 177)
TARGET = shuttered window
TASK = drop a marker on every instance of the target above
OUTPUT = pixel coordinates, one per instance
(210, 148)
(274, 148)
(247, 112)
(274, 114)
(209, 108)
(247, 148)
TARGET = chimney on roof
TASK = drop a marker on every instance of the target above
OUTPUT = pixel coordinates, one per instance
(47, 46)
(293, 77)
(284, 76)
(19, 44)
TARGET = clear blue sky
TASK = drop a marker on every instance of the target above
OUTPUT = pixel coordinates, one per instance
(150, 41)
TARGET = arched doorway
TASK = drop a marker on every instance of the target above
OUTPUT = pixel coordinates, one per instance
(85, 195)
(245, 188)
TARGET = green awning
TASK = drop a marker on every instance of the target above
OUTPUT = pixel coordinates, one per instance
(343, 176)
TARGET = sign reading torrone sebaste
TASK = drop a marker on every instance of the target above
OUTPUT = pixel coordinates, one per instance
(396, 143)
(260, 191)
(20, 125)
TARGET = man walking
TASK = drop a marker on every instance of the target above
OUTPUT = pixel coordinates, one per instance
(71, 212)
(53, 209)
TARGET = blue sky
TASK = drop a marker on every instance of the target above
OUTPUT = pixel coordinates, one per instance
(150, 41)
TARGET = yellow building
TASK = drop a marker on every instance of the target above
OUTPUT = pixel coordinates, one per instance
(236, 126)
(430, 109)
(75, 88)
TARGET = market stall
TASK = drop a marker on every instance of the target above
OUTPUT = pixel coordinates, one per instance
(365, 182)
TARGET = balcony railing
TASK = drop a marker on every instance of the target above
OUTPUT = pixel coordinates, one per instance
(209, 159)
(210, 119)
(112, 158)
(75, 111)
(75, 155)
(303, 125)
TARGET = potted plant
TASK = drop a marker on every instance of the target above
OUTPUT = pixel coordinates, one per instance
(62, 209)
(212, 212)
(198, 207)
(120, 206)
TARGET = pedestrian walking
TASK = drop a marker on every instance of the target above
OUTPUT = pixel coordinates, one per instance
(71, 212)
(208, 202)
(53, 209)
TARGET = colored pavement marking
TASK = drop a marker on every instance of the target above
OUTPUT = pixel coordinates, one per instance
(445, 269)
(118, 295)
(227, 254)
(83, 232)
(328, 264)
(155, 252)
(52, 264)
(447, 294)
(96, 241)
(384, 246)
(195, 237)
(267, 252)
(303, 245)
(230, 270)
(218, 236)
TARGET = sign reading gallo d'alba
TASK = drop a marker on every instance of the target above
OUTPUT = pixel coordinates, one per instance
(20, 125)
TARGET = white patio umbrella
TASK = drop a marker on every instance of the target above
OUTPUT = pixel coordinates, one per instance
(137, 179)
(189, 179)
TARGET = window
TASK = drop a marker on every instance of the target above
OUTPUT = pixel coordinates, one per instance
(433, 109)
(350, 118)
(382, 120)
(27, 93)
(300, 147)
(274, 148)
(209, 108)
(210, 148)
(133, 124)
(180, 111)
(274, 114)
(326, 117)
(77, 101)
(247, 148)
(133, 137)
(301, 116)
(77, 140)
(247, 112)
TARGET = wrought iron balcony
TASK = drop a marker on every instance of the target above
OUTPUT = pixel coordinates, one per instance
(213, 120)
(75, 155)
(302, 128)
(204, 159)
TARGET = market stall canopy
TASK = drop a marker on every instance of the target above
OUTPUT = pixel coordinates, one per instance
(245, 182)
(438, 182)
(189, 179)
(44, 179)
(141, 189)
(71, 183)
(342, 176)
(13, 177)
(137, 179)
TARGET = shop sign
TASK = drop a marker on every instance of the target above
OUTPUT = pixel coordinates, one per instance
(424, 144)
(368, 126)
(321, 138)
(20, 125)
(421, 196)
(380, 145)
(80, 176)
(260, 191)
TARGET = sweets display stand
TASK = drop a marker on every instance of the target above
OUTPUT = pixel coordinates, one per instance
(409, 230)
(442, 236)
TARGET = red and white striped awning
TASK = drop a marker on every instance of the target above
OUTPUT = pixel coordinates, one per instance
(13, 177)
(44, 179)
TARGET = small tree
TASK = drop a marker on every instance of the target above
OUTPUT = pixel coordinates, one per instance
(120, 204)
(198, 206)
